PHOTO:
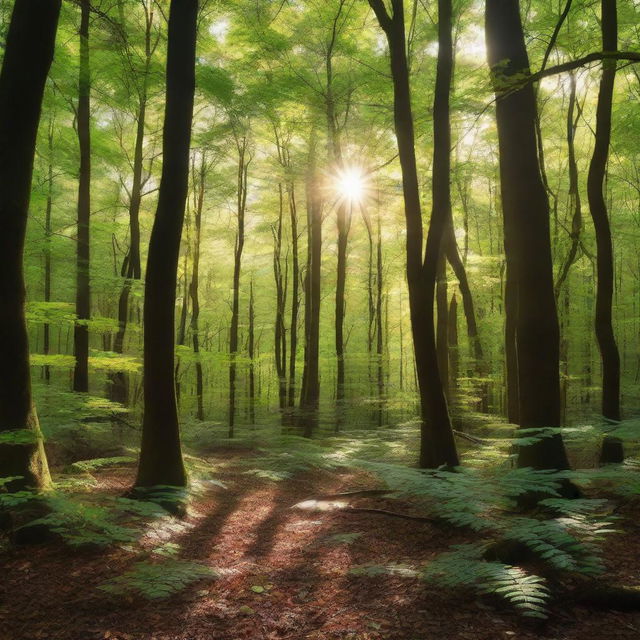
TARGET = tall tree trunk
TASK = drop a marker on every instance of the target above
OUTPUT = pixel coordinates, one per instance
(575, 203)
(199, 178)
(597, 204)
(279, 325)
(379, 328)
(343, 215)
(131, 266)
(527, 239)
(295, 296)
(83, 291)
(181, 338)
(310, 392)
(252, 354)
(27, 57)
(47, 252)
(452, 338)
(160, 453)
(437, 445)
(442, 319)
(243, 164)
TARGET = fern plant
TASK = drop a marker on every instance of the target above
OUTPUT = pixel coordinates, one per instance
(155, 580)
(465, 566)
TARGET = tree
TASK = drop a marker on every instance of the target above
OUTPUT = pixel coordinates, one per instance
(244, 159)
(83, 285)
(160, 452)
(598, 207)
(27, 58)
(131, 269)
(310, 391)
(527, 241)
(437, 446)
(199, 175)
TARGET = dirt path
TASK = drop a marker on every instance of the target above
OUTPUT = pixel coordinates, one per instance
(281, 576)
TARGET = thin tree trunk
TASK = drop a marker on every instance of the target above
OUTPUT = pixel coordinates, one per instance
(379, 324)
(47, 252)
(160, 453)
(575, 203)
(199, 177)
(131, 267)
(442, 318)
(597, 204)
(310, 393)
(295, 296)
(83, 290)
(437, 446)
(279, 325)
(452, 338)
(28, 54)
(252, 355)
(243, 163)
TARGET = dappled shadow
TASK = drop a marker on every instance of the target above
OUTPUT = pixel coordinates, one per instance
(282, 574)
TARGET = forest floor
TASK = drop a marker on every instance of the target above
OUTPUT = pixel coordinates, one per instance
(283, 573)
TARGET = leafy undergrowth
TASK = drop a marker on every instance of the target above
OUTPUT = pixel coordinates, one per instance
(244, 564)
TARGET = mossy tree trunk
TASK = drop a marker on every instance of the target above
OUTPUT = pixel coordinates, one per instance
(27, 57)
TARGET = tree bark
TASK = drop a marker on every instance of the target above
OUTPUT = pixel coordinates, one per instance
(295, 296)
(597, 204)
(527, 238)
(279, 324)
(310, 392)
(27, 57)
(243, 163)
(437, 446)
(83, 286)
(199, 178)
(160, 454)
(47, 252)
(131, 266)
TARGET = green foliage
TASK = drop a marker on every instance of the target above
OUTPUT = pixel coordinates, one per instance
(88, 466)
(342, 538)
(19, 437)
(81, 522)
(156, 580)
(565, 535)
(287, 455)
(465, 566)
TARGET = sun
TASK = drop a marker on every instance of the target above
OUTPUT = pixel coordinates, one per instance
(350, 184)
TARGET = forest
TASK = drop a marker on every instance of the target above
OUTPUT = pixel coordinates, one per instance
(319, 319)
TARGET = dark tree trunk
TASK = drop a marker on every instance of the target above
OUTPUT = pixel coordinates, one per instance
(442, 319)
(83, 290)
(379, 324)
(181, 338)
(47, 251)
(452, 338)
(243, 164)
(511, 357)
(131, 267)
(437, 446)
(295, 297)
(527, 240)
(279, 325)
(575, 203)
(199, 178)
(310, 392)
(252, 354)
(160, 454)
(597, 204)
(27, 57)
